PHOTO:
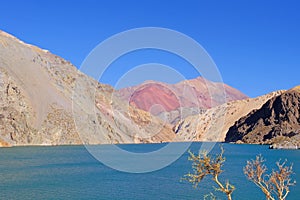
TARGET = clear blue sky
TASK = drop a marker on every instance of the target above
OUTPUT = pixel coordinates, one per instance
(255, 43)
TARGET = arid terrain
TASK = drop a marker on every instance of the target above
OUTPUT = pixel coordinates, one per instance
(45, 100)
(277, 122)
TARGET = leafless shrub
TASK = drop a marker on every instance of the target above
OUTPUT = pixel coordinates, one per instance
(204, 165)
(274, 185)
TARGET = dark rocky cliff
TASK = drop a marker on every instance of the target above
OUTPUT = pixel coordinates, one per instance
(276, 122)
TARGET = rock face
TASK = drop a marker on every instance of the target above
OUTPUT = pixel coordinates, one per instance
(175, 102)
(45, 100)
(276, 122)
(214, 123)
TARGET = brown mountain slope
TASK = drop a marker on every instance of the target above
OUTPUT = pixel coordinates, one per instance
(45, 100)
(167, 100)
(213, 124)
(277, 121)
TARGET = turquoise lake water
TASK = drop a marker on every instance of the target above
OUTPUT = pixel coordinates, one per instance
(70, 172)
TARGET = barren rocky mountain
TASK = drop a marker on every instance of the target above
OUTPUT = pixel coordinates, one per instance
(173, 102)
(276, 122)
(45, 100)
(213, 124)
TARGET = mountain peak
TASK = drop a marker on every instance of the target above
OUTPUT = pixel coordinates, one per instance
(193, 96)
(6, 37)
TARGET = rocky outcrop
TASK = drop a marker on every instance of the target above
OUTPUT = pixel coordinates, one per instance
(214, 123)
(45, 100)
(276, 122)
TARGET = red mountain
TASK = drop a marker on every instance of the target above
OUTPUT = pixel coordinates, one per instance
(157, 97)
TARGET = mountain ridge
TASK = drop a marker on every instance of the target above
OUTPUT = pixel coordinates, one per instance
(276, 122)
(213, 124)
(46, 101)
(37, 107)
(166, 100)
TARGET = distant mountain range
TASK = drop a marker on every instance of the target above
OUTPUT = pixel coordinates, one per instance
(177, 101)
(45, 100)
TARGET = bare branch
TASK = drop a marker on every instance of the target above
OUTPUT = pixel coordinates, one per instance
(272, 185)
(204, 165)
(280, 181)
